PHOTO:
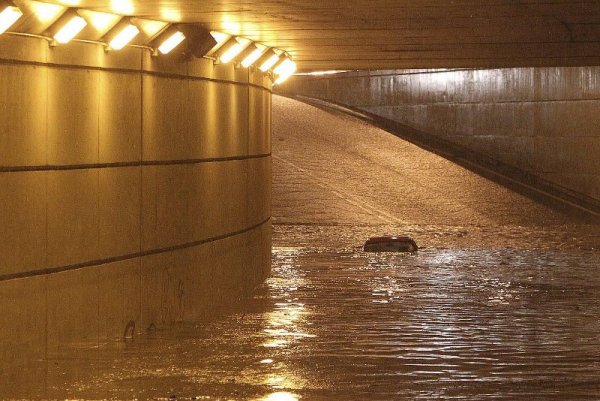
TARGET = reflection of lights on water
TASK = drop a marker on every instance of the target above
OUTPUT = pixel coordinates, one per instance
(284, 323)
(276, 380)
(276, 343)
(299, 306)
(285, 333)
(281, 396)
(266, 361)
(444, 257)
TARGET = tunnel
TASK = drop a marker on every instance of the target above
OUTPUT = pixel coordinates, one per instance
(186, 188)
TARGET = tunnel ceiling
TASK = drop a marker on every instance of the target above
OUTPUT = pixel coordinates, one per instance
(386, 34)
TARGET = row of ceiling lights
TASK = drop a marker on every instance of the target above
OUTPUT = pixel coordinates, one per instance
(121, 32)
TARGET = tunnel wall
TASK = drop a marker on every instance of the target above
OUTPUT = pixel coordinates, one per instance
(134, 190)
(543, 121)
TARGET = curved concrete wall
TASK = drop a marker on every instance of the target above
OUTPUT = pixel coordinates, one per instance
(133, 190)
(544, 121)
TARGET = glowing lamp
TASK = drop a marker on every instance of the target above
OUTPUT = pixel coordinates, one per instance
(9, 15)
(69, 25)
(122, 34)
(220, 39)
(171, 43)
(285, 70)
(250, 55)
(286, 67)
(168, 40)
(124, 37)
(268, 60)
(229, 50)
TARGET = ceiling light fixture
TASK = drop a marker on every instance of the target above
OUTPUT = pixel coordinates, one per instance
(229, 50)
(9, 15)
(250, 55)
(121, 34)
(69, 25)
(199, 40)
(168, 40)
(267, 60)
(285, 70)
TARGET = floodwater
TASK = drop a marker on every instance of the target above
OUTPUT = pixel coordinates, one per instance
(502, 301)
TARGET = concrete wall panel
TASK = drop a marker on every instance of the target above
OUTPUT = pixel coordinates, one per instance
(149, 208)
(259, 120)
(202, 113)
(76, 53)
(23, 133)
(119, 211)
(227, 124)
(167, 134)
(23, 320)
(22, 222)
(175, 206)
(21, 48)
(120, 133)
(73, 298)
(163, 288)
(73, 97)
(224, 72)
(259, 189)
(72, 217)
(119, 306)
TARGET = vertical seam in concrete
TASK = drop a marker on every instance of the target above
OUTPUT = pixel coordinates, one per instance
(141, 156)
(97, 281)
(46, 190)
(247, 162)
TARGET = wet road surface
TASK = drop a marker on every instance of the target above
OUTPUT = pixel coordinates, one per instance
(500, 303)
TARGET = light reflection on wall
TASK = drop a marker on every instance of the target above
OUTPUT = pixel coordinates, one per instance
(170, 14)
(231, 25)
(102, 22)
(45, 12)
(124, 7)
(70, 3)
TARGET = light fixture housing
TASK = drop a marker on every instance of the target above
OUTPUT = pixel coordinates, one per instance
(121, 34)
(220, 39)
(284, 70)
(267, 60)
(282, 58)
(69, 25)
(250, 54)
(229, 51)
(200, 41)
(9, 15)
(167, 40)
